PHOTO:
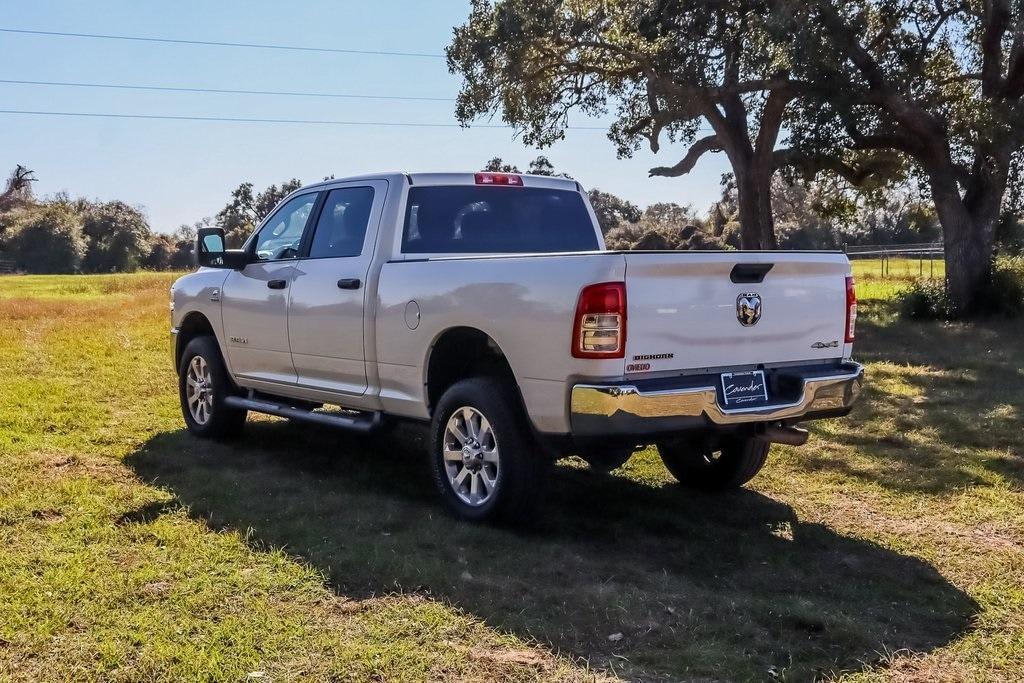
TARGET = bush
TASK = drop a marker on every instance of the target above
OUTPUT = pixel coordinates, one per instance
(1007, 297)
(925, 300)
(928, 300)
(119, 237)
(49, 240)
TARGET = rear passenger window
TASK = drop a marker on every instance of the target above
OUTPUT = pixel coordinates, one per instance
(475, 219)
(341, 228)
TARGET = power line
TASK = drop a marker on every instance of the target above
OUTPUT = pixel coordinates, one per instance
(217, 43)
(162, 88)
(232, 119)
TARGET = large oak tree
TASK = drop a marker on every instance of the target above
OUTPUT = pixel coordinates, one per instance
(938, 82)
(666, 69)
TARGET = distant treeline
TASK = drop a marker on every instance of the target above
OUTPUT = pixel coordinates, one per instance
(64, 235)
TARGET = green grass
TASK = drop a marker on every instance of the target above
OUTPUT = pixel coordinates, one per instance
(885, 283)
(890, 547)
(899, 268)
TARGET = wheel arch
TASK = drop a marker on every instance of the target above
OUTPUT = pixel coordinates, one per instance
(462, 352)
(195, 324)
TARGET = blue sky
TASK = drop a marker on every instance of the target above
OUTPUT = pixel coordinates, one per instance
(180, 171)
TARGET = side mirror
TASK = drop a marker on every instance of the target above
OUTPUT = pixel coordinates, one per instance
(211, 250)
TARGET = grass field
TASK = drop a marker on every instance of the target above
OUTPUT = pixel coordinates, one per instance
(889, 548)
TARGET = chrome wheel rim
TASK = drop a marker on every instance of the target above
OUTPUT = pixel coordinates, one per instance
(471, 457)
(199, 390)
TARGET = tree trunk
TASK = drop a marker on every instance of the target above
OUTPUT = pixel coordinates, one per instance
(967, 242)
(753, 195)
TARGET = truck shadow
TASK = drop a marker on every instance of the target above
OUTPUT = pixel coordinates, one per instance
(726, 587)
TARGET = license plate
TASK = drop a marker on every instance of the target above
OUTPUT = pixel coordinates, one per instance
(739, 388)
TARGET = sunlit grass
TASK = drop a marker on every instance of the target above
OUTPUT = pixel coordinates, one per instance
(888, 547)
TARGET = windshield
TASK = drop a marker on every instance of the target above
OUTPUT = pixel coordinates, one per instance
(471, 219)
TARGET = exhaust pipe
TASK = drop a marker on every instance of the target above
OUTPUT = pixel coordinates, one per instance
(790, 436)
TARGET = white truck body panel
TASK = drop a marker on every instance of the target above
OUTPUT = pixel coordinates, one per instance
(684, 304)
(369, 349)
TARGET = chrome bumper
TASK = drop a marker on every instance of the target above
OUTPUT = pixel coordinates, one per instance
(613, 408)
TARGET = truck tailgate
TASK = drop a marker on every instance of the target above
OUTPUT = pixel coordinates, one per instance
(684, 309)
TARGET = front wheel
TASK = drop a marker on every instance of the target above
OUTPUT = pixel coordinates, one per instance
(203, 384)
(483, 462)
(729, 464)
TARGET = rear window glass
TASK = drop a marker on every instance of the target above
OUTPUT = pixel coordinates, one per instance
(470, 219)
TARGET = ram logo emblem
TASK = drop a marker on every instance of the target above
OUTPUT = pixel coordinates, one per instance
(748, 308)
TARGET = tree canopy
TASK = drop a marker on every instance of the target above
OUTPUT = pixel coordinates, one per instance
(246, 209)
(934, 83)
(666, 69)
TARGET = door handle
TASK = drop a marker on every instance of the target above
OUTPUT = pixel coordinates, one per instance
(349, 283)
(277, 284)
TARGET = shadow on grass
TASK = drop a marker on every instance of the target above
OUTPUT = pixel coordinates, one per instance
(943, 404)
(726, 587)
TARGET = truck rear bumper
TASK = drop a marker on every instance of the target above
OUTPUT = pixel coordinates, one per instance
(652, 407)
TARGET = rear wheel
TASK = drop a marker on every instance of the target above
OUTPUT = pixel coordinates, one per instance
(728, 464)
(203, 384)
(483, 463)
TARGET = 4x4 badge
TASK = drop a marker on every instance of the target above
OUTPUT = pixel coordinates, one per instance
(748, 308)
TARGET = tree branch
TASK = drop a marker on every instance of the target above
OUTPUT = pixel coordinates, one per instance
(996, 19)
(696, 151)
(810, 165)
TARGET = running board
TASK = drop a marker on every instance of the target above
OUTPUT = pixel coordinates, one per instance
(363, 423)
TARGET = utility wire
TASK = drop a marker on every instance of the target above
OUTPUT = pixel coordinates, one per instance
(217, 43)
(161, 88)
(232, 119)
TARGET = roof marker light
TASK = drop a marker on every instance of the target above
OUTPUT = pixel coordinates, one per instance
(499, 179)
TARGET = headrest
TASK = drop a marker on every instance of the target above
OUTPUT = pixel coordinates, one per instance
(480, 227)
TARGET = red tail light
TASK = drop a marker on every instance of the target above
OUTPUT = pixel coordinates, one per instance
(851, 308)
(599, 330)
(498, 179)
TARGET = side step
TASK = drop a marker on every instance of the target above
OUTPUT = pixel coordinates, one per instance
(362, 423)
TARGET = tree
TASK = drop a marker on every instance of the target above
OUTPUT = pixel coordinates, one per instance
(17, 194)
(118, 236)
(498, 165)
(542, 166)
(663, 226)
(161, 251)
(49, 240)
(17, 190)
(245, 210)
(612, 211)
(664, 66)
(935, 82)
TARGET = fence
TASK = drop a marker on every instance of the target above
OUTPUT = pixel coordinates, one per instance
(924, 259)
(6, 266)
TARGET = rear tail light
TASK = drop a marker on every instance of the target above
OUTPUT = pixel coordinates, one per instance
(599, 330)
(499, 179)
(851, 308)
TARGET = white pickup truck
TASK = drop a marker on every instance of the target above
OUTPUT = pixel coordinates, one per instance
(487, 306)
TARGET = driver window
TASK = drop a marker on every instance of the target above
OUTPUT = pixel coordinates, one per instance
(281, 236)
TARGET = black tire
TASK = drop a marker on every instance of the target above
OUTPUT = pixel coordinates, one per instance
(224, 421)
(730, 466)
(604, 460)
(520, 470)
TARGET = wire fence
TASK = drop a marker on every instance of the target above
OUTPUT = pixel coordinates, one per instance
(922, 260)
(6, 266)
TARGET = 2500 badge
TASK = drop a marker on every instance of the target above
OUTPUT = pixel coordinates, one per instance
(644, 367)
